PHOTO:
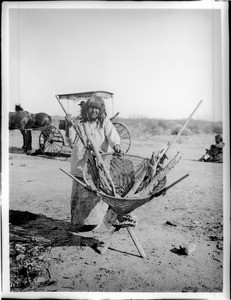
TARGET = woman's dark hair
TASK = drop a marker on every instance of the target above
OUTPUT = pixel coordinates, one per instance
(219, 137)
(94, 101)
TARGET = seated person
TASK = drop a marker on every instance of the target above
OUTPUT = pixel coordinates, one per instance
(215, 153)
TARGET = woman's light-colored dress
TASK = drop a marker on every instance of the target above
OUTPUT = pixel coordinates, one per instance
(86, 207)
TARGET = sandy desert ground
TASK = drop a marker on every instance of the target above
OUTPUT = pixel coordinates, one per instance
(191, 213)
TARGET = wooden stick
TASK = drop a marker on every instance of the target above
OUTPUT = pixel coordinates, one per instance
(183, 127)
(98, 157)
(149, 188)
(112, 118)
(179, 133)
(175, 182)
(139, 180)
(72, 123)
(164, 190)
(136, 242)
(108, 242)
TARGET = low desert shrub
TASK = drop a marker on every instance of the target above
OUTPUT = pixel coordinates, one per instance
(216, 129)
(195, 128)
(163, 124)
(207, 129)
(156, 130)
(141, 127)
(172, 125)
(176, 130)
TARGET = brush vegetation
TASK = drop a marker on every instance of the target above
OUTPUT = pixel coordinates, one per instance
(139, 127)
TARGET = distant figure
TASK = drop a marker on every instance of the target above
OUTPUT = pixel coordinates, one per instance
(215, 153)
(81, 103)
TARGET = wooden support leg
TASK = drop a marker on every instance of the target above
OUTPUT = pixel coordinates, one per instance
(133, 237)
(107, 244)
(136, 242)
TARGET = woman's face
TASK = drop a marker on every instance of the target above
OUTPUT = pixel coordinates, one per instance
(218, 139)
(93, 113)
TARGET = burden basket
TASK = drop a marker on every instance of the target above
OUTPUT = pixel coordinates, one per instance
(135, 180)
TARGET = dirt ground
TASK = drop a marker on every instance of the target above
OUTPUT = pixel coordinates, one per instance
(191, 214)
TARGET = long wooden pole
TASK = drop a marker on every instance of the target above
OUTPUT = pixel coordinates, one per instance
(164, 190)
(72, 123)
(136, 242)
(165, 150)
(108, 242)
(61, 105)
(99, 158)
(185, 124)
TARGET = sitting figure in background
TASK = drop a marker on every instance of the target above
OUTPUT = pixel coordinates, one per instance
(215, 153)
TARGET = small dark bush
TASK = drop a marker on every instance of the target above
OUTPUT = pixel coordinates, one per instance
(217, 129)
(176, 130)
(163, 124)
(195, 128)
(172, 125)
(207, 129)
(156, 130)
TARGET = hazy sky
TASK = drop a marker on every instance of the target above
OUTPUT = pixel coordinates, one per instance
(159, 63)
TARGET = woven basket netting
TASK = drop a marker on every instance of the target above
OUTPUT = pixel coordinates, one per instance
(125, 172)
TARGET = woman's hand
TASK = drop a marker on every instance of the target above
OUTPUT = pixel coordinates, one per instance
(118, 150)
(68, 118)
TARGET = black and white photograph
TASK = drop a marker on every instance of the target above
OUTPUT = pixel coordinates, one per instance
(115, 150)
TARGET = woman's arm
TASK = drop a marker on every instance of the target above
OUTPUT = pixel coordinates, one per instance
(111, 134)
(220, 145)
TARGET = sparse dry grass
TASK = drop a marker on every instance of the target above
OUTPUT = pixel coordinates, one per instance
(144, 127)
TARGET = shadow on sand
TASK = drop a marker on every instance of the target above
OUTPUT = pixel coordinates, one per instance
(25, 225)
(39, 153)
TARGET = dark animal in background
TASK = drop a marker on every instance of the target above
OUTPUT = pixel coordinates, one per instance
(19, 120)
(25, 122)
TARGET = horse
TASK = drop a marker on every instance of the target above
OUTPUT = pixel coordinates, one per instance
(19, 120)
(26, 121)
